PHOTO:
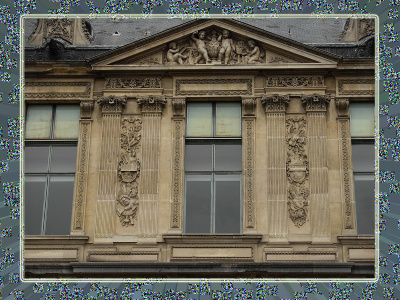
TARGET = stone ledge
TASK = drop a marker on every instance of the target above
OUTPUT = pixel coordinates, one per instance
(212, 238)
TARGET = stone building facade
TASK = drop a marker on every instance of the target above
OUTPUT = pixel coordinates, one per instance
(209, 148)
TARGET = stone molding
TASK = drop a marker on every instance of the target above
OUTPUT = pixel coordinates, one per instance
(275, 102)
(294, 81)
(249, 141)
(44, 84)
(123, 253)
(342, 105)
(222, 257)
(132, 83)
(112, 104)
(302, 253)
(316, 102)
(211, 91)
(52, 259)
(129, 171)
(152, 103)
(86, 109)
(342, 91)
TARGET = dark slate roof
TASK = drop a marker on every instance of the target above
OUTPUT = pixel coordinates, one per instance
(109, 34)
(301, 30)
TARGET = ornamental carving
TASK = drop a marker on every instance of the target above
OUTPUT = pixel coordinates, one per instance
(178, 106)
(316, 102)
(275, 102)
(85, 94)
(129, 171)
(152, 103)
(61, 28)
(132, 83)
(213, 47)
(249, 105)
(248, 90)
(112, 103)
(356, 91)
(297, 170)
(366, 28)
(86, 109)
(295, 81)
(342, 105)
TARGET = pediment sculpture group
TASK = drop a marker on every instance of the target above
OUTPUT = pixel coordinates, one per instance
(214, 48)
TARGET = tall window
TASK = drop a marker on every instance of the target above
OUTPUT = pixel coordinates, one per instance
(51, 136)
(213, 168)
(362, 139)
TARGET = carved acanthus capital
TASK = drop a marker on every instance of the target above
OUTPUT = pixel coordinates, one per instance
(178, 106)
(86, 109)
(112, 103)
(316, 102)
(152, 103)
(342, 105)
(249, 105)
(275, 103)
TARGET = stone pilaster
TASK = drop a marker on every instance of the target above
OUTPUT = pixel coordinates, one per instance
(152, 107)
(275, 108)
(248, 152)
(85, 126)
(316, 106)
(178, 173)
(346, 176)
(111, 107)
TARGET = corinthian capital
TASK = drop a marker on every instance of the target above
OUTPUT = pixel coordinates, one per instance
(316, 102)
(275, 102)
(112, 103)
(154, 104)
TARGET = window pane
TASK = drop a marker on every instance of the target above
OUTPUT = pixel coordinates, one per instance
(36, 159)
(66, 121)
(199, 119)
(198, 204)
(362, 119)
(227, 204)
(228, 157)
(59, 205)
(364, 196)
(198, 157)
(34, 187)
(228, 119)
(63, 159)
(38, 121)
(363, 158)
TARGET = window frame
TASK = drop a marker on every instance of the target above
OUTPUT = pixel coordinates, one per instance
(214, 141)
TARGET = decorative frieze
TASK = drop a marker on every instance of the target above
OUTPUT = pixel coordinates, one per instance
(297, 170)
(129, 171)
(112, 104)
(214, 87)
(152, 104)
(46, 89)
(316, 102)
(275, 103)
(132, 83)
(295, 81)
(357, 87)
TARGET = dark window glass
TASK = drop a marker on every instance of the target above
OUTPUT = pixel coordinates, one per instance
(34, 196)
(198, 158)
(364, 197)
(228, 157)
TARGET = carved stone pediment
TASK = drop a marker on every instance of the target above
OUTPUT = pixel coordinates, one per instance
(219, 42)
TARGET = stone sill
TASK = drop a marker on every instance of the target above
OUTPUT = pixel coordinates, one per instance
(361, 239)
(212, 238)
(55, 240)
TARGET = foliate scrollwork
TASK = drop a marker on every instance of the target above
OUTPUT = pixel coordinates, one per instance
(316, 102)
(295, 81)
(342, 105)
(61, 28)
(86, 109)
(130, 83)
(297, 170)
(275, 102)
(112, 103)
(129, 171)
(152, 103)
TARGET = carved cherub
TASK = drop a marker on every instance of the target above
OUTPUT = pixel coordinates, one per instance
(174, 55)
(254, 55)
(227, 46)
(201, 46)
(127, 205)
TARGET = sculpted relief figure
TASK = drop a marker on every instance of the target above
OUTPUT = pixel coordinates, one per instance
(201, 46)
(174, 55)
(227, 46)
(254, 55)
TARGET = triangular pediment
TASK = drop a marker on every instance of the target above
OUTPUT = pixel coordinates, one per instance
(208, 42)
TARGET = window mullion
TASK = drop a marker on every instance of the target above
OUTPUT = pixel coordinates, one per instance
(46, 196)
(53, 120)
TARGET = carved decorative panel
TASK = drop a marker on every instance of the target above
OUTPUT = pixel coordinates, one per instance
(275, 102)
(152, 103)
(316, 102)
(129, 171)
(132, 83)
(45, 89)
(112, 104)
(366, 84)
(295, 81)
(214, 87)
(297, 170)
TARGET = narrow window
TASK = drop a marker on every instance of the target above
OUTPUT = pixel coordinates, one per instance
(213, 168)
(51, 136)
(362, 139)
